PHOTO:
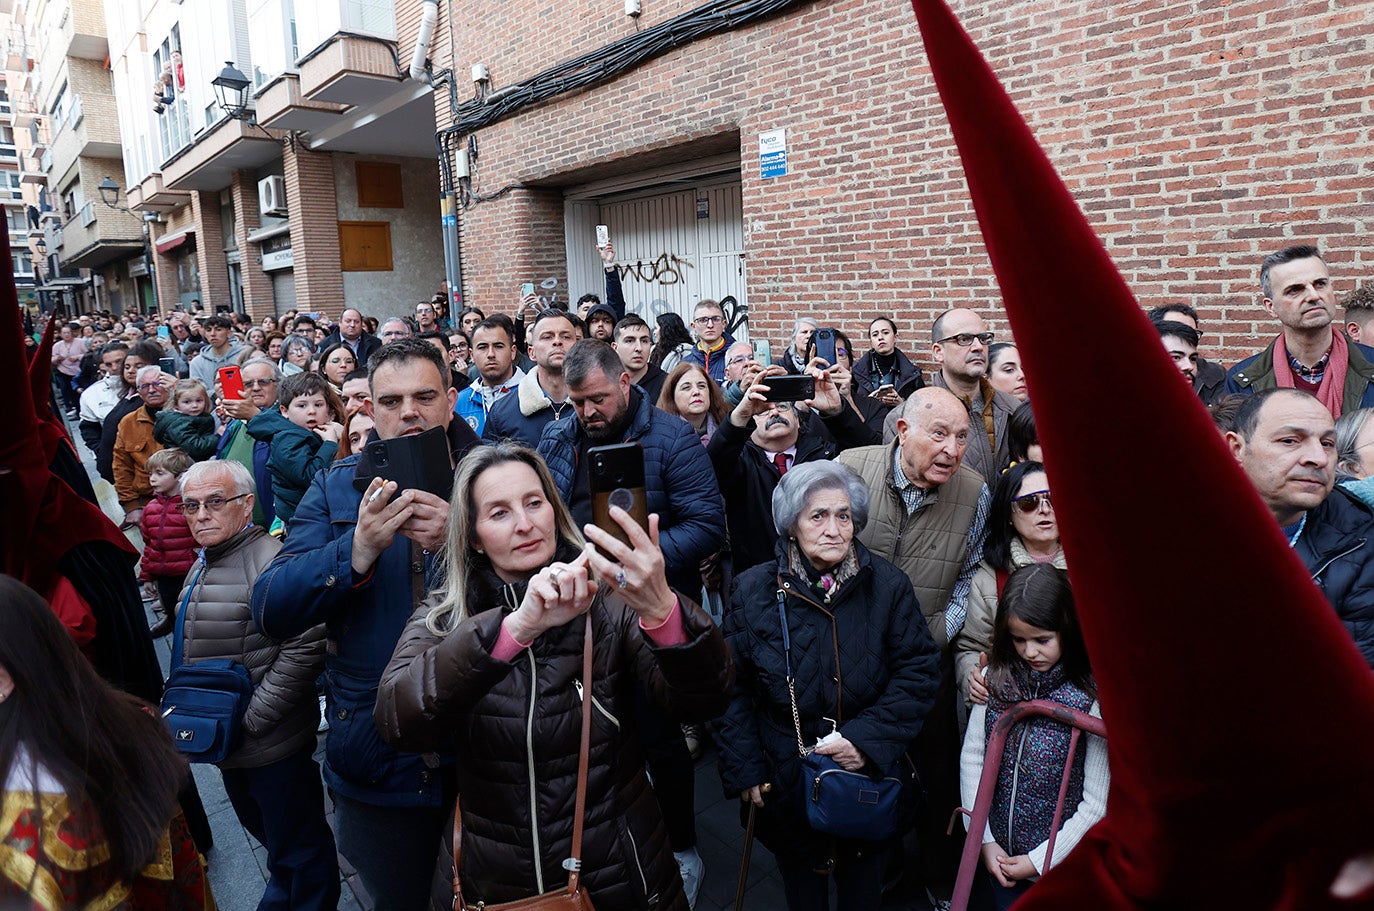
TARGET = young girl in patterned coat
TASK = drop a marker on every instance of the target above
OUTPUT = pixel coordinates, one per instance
(1037, 653)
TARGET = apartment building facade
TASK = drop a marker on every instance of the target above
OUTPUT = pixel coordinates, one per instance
(793, 158)
(90, 249)
(321, 193)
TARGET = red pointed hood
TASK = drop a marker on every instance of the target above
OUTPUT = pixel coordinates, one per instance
(1238, 709)
(43, 517)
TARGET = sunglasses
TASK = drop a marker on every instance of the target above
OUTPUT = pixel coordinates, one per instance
(1031, 502)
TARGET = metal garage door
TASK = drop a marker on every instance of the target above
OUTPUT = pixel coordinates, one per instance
(672, 249)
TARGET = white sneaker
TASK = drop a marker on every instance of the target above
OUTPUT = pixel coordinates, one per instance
(692, 868)
(324, 717)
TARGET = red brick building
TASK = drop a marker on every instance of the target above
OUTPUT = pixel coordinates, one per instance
(1196, 138)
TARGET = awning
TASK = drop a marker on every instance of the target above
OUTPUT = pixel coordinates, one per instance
(172, 241)
(258, 235)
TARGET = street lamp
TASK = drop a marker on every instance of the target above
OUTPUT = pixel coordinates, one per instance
(42, 247)
(109, 193)
(231, 91)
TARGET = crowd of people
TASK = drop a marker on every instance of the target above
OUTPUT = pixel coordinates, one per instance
(868, 571)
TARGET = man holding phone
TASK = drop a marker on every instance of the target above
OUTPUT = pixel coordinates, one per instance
(680, 486)
(360, 561)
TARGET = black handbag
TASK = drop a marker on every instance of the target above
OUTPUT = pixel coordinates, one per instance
(835, 801)
(203, 703)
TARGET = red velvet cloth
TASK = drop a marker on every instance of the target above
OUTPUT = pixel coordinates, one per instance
(1240, 715)
(43, 517)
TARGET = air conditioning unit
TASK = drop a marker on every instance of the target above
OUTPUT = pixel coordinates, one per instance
(272, 195)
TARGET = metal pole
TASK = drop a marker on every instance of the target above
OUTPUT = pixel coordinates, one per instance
(453, 266)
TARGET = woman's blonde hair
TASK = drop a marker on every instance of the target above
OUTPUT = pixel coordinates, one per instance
(462, 558)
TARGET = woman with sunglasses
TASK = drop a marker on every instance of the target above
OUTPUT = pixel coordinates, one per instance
(1021, 530)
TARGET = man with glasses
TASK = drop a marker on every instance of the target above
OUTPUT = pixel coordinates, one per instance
(960, 350)
(261, 380)
(426, 317)
(708, 319)
(271, 778)
(134, 442)
(740, 370)
(928, 515)
(750, 451)
(394, 328)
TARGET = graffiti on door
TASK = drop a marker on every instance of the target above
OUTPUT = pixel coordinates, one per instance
(667, 269)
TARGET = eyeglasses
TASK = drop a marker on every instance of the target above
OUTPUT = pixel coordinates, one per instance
(708, 320)
(965, 339)
(424, 309)
(148, 387)
(259, 384)
(841, 352)
(214, 504)
(1032, 502)
(737, 359)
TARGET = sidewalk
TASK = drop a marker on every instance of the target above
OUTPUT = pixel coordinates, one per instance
(238, 864)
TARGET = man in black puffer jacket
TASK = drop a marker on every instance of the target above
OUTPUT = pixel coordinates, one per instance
(1285, 441)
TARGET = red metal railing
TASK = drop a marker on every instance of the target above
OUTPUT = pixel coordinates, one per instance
(971, 861)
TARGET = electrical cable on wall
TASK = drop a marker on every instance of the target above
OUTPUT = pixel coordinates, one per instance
(612, 60)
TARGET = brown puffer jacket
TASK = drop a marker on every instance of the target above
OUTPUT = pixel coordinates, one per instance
(283, 713)
(516, 729)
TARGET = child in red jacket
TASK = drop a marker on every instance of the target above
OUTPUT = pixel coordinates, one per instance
(168, 548)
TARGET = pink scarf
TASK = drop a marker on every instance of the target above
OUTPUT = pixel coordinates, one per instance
(1331, 392)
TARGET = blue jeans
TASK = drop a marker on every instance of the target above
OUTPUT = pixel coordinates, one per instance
(394, 850)
(282, 806)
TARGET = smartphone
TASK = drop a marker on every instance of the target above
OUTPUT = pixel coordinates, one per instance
(167, 365)
(761, 353)
(526, 290)
(231, 382)
(164, 332)
(616, 478)
(825, 345)
(881, 391)
(791, 388)
(418, 461)
(603, 236)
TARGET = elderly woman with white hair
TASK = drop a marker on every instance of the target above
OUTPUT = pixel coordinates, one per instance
(828, 642)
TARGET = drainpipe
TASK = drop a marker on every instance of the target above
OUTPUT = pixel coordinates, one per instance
(417, 60)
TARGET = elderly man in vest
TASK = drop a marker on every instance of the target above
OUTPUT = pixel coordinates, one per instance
(272, 779)
(928, 516)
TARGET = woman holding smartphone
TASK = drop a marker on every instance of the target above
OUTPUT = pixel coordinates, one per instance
(491, 667)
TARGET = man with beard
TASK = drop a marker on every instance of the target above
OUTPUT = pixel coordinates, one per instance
(542, 396)
(679, 483)
(680, 487)
(494, 355)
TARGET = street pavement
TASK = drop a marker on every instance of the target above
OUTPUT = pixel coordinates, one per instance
(238, 863)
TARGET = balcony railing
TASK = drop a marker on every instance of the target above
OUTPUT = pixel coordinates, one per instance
(75, 113)
(87, 215)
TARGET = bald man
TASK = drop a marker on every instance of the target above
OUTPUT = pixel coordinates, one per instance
(928, 516)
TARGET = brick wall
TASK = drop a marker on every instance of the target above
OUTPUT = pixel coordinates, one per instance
(314, 229)
(1196, 140)
(257, 285)
(214, 271)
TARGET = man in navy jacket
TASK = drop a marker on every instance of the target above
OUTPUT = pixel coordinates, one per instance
(344, 566)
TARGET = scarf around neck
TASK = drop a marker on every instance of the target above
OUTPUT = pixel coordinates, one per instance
(1331, 392)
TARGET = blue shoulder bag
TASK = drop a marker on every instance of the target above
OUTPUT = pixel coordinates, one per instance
(835, 801)
(203, 703)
